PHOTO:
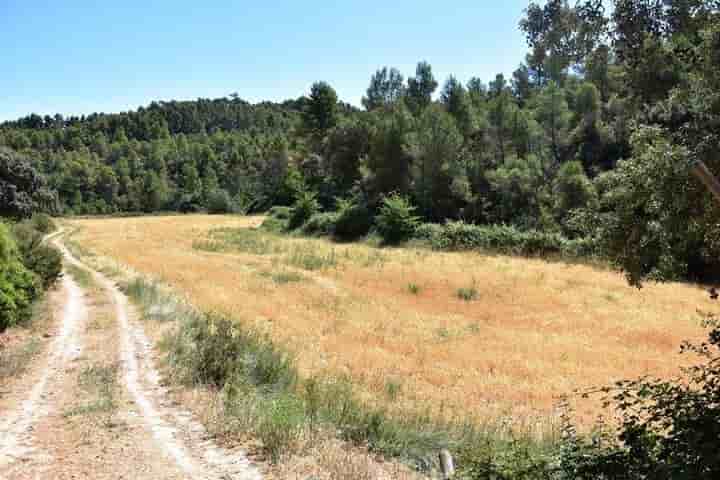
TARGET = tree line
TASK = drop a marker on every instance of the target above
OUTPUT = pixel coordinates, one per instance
(590, 137)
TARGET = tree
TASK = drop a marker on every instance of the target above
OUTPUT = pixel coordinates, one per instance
(456, 101)
(420, 88)
(321, 112)
(553, 115)
(22, 189)
(440, 183)
(389, 158)
(386, 88)
(561, 36)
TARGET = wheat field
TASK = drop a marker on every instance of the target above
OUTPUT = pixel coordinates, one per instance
(461, 334)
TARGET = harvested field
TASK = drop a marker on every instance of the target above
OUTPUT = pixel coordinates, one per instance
(458, 333)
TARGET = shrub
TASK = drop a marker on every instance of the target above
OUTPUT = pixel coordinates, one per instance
(304, 207)
(320, 224)
(277, 220)
(43, 223)
(18, 285)
(281, 424)
(396, 220)
(502, 238)
(280, 212)
(43, 260)
(667, 429)
(353, 221)
(219, 201)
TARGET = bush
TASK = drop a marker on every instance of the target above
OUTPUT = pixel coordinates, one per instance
(304, 207)
(667, 429)
(321, 224)
(281, 424)
(396, 221)
(43, 223)
(353, 220)
(280, 212)
(43, 260)
(277, 220)
(219, 201)
(503, 239)
(18, 285)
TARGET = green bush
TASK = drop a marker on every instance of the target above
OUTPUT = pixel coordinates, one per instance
(43, 223)
(280, 212)
(354, 220)
(282, 421)
(320, 224)
(19, 287)
(213, 350)
(277, 220)
(396, 220)
(43, 260)
(304, 207)
(219, 201)
(502, 238)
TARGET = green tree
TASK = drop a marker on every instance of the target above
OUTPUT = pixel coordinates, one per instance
(321, 112)
(420, 88)
(440, 183)
(456, 101)
(386, 88)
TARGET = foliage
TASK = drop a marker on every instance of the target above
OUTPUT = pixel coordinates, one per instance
(667, 428)
(304, 207)
(22, 189)
(18, 285)
(43, 260)
(354, 220)
(500, 238)
(320, 224)
(396, 220)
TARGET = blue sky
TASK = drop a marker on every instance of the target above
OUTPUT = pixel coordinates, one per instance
(77, 57)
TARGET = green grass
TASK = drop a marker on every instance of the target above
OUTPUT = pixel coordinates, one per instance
(243, 240)
(284, 276)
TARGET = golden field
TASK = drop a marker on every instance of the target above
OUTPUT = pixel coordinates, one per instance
(393, 321)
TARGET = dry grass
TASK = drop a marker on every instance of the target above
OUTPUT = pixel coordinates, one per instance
(532, 332)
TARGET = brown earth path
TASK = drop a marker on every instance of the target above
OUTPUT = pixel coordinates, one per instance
(52, 425)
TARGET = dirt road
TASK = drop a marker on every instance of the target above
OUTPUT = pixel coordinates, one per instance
(92, 405)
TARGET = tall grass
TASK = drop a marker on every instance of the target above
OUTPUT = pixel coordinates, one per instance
(262, 394)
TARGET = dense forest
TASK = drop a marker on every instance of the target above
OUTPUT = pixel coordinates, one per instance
(590, 138)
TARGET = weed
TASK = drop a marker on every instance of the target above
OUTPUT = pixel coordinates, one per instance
(414, 288)
(100, 382)
(81, 276)
(469, 293)
(281, 423)
(393, 388)
(307, 258)
(283, 277)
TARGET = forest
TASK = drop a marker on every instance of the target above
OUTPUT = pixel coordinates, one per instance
(589, 141)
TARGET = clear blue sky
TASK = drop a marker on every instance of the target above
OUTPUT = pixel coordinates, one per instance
(77, 57)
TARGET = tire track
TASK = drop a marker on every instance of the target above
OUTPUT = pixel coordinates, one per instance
(182, 439)
(16, 431)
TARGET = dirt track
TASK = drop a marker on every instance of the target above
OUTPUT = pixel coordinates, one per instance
(52, 426)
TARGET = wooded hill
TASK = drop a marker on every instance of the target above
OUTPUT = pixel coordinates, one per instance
(590, 138)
